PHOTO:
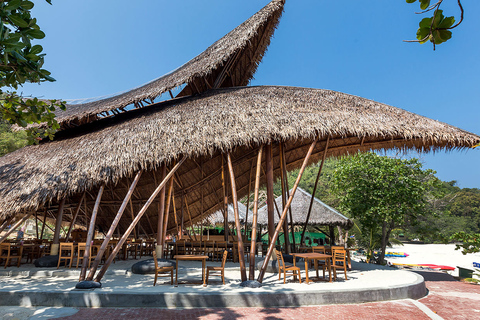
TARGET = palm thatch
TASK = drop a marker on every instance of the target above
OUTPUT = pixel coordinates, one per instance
(203, 128)
(218, 218)
(322, 214)
(231, 61)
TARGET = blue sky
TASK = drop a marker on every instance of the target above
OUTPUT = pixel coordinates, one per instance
(97, 48)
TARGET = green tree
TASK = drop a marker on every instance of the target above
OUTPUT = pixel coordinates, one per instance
(10, 140)
(22, 62)
(382, 193)
(436, 28)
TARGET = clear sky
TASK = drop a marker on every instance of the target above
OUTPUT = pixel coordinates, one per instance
(96, 48)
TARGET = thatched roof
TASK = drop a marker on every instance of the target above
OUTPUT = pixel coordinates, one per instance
(203, 128)
(240, 51)
(217, 217)
(322, 214)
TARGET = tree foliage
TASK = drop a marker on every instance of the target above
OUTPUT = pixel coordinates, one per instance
(436, 28)
(21, 61)
(381, 192)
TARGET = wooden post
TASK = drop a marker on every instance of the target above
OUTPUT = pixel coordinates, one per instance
(282, 182)
(270, 196)
(36, 225)
(167, 212)
(90, 235)
(248, 199)
(182, 215)
(114, 225)
(161, 215)
(225, 204)
(58, 228)
(284, 170)
(332, 235)
(15, 226)
(284, 213)
(77, 210)
(201, 217)
(314, 191)
(44, 223)
(251, 274)
(241, 251)
(122, 240)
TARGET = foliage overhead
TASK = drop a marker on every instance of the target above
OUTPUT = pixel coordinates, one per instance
(21, 61)
(436, 28)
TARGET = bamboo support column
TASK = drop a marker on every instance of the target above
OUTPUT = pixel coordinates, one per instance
(225, 203)
(6, 223)
(167, 212)
(114, 225)
(44, 223)
(36, 225)
(58, 228)
(72, 223)
(253, 243)
(90, 234)
(241, 251)
(302, 241)
(284, 213)
(284, 170)
(161, 215)
(248, 199)
(282, 182)
(15, 226)
(127, 233)
(270, 196)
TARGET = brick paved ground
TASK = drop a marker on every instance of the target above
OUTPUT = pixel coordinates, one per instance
(449, 299)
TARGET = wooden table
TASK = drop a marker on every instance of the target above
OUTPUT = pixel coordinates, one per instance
(313, 256)
(189, 257)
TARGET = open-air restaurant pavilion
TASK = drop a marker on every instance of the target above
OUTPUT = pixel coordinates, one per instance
(137, 170)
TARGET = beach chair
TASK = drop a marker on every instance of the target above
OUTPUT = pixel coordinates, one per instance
(161, 271)
(289, 270)
(218, 271)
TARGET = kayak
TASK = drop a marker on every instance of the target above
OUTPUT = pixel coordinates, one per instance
(396, 254)
(425, 265)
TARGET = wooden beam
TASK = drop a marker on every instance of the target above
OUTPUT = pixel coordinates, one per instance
(253, 243)
(137, 218)
(58, 228)
(241, 251)
(77, 210)
(282, 182)
(167, 210)
(6, 223)
(314, 191)
(284, 213)
(161, 211)
(110, 232)
(225, 203)
(248, 197)
(284, 169)
(90, 235)
(15, 226)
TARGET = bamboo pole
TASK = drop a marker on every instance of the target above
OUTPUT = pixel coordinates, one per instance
(284, 213)
(36, 225)
(302, 241)
(114, 225)
(270, 196)
(225, 204)
(241, 251)
(201, 218)
(181, 215)
(44, 223)
(15, 226)
(248, 199)
(77, 210)
(6, 223)
(190, 219)
(167, 211)
(137, 218)
(253, 242)
(284, 170)
(161, 215)
(58, 229)
(90, 235)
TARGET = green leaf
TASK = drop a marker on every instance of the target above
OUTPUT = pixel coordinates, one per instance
(447, 23)
(424, 4)
(12, 5)
(18, 21)
(411, 1)
(27, 5)
(37, 34)
(36, 49)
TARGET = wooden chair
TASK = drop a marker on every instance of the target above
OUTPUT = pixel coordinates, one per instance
(220, 247)
(161, 271)
(81, 254)
(339, 258)
(287, 270)
(218, 271)
(320, 262)
(10, 251)
(65, 252)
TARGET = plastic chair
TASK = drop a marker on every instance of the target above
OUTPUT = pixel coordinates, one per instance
(218, 271)
(161, 271)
